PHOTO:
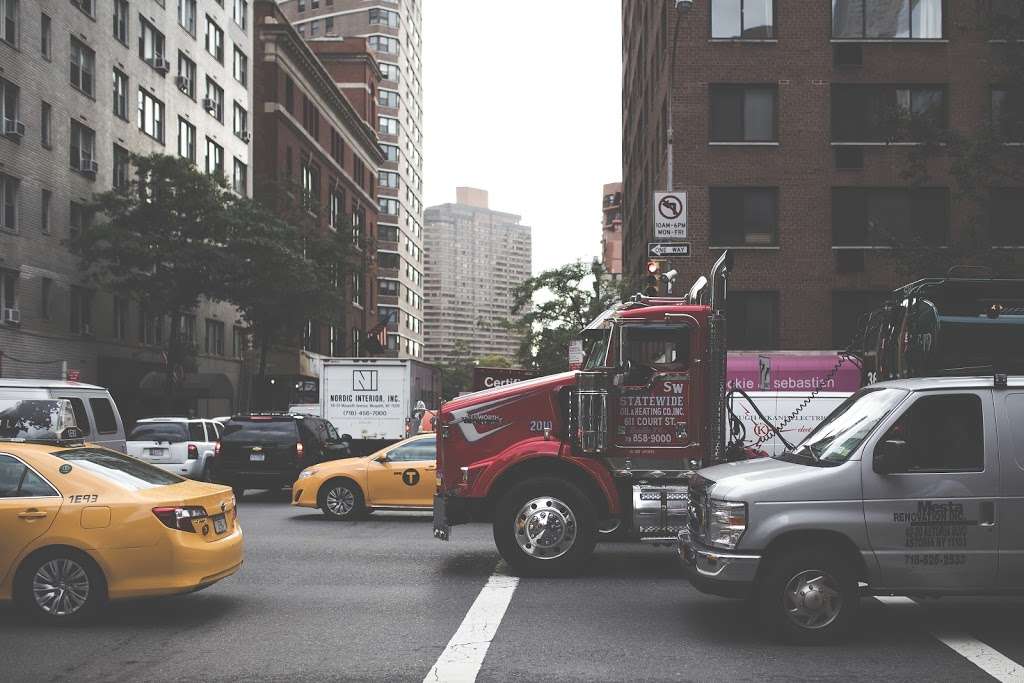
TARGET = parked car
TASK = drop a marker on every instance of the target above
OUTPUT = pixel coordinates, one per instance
(176, 444)
(911, 487)
(269, 451)
(399, 477)
(96, 413)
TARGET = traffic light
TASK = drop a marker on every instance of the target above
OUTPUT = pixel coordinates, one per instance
(651, 287)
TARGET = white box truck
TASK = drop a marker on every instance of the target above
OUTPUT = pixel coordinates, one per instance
(374, 399)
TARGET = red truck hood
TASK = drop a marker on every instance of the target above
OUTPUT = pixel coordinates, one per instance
(548, 382)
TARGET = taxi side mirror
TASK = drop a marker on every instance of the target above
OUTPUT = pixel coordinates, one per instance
(891, 457)
(382, 458)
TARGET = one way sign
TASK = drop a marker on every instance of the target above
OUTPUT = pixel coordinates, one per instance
(667, 249)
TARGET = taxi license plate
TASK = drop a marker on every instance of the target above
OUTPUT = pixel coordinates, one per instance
(257, 457)
(220, 524)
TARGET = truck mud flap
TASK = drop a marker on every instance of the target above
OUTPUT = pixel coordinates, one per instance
(442, 529)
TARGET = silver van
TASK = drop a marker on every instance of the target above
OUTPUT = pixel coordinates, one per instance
(95, 411)
(911, 487)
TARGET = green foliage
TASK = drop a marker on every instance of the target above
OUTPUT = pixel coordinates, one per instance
(554, 307)
(457, 374)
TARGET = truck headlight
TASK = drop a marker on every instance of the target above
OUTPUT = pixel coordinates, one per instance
(726, 523)
(305, 474)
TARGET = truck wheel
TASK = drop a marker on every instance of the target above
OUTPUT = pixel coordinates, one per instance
(808, 595)
(340, 499)
(545, 527)
(59, 586)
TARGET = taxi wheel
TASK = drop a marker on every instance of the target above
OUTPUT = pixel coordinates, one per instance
(808, 595)
(239, 492)
(59, 585)
(341, 499)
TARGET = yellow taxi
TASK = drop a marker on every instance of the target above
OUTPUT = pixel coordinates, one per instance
(81, 524)
(402, 476)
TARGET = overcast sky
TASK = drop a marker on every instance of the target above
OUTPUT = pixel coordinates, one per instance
(522, 99)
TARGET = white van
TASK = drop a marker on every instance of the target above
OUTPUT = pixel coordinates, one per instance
(95, 411)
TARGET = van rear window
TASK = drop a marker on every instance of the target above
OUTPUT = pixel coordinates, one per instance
(118, 468)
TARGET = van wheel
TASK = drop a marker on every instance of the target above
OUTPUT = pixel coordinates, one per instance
(545, 527)
(341, 499)
(808, 596)
(59, 586)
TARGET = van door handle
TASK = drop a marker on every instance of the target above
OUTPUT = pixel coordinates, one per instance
(32, 514)
(988, 514)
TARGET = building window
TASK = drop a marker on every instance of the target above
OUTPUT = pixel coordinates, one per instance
(385, 44)
(122, 160)
(151, 44)
(83, 148)
(388, 207)
(9, 101)
(9, 12)
(240, 12)
(186, 140)
(388, 179)
(45, 35)
(886, 113)
(387, 287)
(9, 202)
(387, 233)
(387, 98)
(151, 116)
(81, 311)
(384, 17)
(357, 289)
(301, 6)
(848, 310)
(83, 67)
(314, 27)
(329, 26)
(887, 19)
(357, 340)
(46, 124)
(8, 289)
(337, 148)
(120, 318)
(1006, 222)
(358, 171)
(86, 7)
(214, 39)
(1008, 113)
(311, 185)
(387, 125)
(214, 102)
(214, 337)
(151, 328)
(337, 208)
(743, 113)
(214, 158)
(121, 21)
(753, 320)
(744, 216)
(239, 341)
(310, 117)
(390, 72)
(120, 94)
(240, 178)
(742, 19)
(79, 218)
(390, 152)
(45, 211)
(241, 121)
(186, 75)
(241, 67)
(388, 260)
(902, 217)
(187, 15)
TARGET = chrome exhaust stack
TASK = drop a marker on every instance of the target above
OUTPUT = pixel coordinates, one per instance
(719, 286)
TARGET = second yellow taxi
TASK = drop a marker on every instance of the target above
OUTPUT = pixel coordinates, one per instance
(401, 476)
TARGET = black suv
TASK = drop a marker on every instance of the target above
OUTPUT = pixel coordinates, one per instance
(269, 451)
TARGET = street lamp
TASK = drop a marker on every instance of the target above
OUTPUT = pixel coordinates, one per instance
(682, 7)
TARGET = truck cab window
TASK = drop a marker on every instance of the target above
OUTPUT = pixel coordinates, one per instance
(943, 434)
(661, 348)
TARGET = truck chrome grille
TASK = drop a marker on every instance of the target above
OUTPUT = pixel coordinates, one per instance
(592, 396)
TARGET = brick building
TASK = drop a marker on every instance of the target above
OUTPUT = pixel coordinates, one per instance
(82, 86)
(781, 141)
(392, 31)
(475, 258)
(611, 228)
(313, 138)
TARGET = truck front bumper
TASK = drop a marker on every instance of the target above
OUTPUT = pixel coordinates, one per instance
(712, 571)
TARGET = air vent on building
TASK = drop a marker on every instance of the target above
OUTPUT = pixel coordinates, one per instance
(849, 261)
(847, 54)
(849, 158)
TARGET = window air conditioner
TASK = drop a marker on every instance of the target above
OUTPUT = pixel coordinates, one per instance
(245, 135)
(12, 316)
(183, 83)
(14, 128)
(209, 104)
(161, 64)
(86, 330)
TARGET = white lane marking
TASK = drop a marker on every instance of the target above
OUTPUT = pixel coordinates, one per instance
(464, 655)
(988, 659)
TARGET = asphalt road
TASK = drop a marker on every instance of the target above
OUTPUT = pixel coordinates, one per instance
(380, 599)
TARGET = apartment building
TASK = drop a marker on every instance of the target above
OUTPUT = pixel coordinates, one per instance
(475, 258)
(797, 127)
(83, 85)
(392, 30)
(611, 228)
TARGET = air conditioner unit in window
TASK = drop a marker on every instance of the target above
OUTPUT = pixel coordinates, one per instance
(245, 135)
(86, 330)
(14, 128)
(12, 316)
(184, 85)
(88, 166)
(161, 64)
(210, 104)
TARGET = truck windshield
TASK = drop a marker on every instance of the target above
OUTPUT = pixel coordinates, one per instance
(835, 439)
(595, 348)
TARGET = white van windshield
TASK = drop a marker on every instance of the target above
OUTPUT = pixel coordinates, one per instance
(842, 432)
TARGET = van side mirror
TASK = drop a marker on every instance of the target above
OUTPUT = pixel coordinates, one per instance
(346, 437)
(891, 457)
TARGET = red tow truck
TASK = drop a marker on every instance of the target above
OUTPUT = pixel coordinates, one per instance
(557, 463)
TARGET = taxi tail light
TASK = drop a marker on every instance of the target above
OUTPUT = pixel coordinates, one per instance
(299, 450)
(179, 518)
(216, 449)
(193, 452)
